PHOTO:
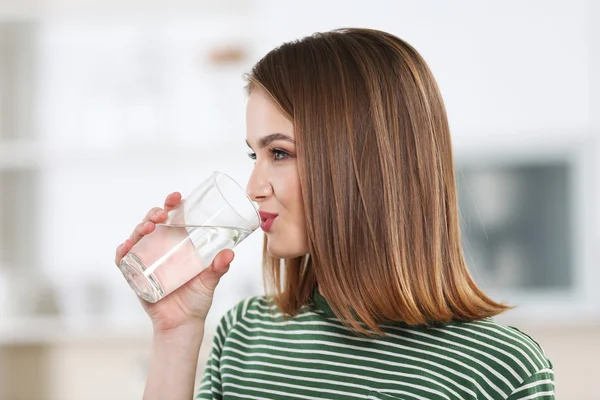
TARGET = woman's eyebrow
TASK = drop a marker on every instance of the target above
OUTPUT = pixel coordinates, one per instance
(266, 140)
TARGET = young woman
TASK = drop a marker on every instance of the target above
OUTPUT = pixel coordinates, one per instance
(368, 292)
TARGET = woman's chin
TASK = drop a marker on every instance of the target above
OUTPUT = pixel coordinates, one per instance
(283, 253)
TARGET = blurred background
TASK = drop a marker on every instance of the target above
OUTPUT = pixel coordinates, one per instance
(107, 106)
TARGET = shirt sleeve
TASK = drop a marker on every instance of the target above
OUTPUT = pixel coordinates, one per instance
(539, 386)
(210, 385)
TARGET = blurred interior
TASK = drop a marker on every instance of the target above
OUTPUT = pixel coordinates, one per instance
(105, 107)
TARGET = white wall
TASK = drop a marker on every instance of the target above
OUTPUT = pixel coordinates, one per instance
(504, 68)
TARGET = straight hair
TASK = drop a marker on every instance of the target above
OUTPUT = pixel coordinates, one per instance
(377, 178)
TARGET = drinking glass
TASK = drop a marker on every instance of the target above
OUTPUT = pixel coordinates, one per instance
(217, 215)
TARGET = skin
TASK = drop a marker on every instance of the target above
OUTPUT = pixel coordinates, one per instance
(274, 183)
(178, 320)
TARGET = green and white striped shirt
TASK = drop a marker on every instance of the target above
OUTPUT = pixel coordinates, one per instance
(258, 354)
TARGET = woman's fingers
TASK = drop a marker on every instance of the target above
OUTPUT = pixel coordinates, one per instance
(172, 201)
(142, 230)
(155, 216)
(122, 249)
(211, 276)
(222, 260)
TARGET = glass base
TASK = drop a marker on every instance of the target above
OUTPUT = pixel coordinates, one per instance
(147, 287)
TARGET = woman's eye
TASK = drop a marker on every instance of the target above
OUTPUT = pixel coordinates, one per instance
(279, 155)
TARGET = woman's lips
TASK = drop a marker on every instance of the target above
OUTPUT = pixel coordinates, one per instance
(267, 220)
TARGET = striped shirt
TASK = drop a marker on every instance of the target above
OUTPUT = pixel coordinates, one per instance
(259, 354)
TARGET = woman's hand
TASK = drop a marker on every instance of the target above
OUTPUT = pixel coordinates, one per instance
(188, 305)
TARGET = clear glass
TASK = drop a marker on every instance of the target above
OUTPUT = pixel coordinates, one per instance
(217, 215)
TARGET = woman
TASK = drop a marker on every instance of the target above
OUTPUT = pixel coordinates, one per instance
(355, 182)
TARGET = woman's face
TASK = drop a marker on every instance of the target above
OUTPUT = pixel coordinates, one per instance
(274, 183)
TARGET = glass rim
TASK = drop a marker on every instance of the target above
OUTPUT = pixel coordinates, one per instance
(217, 173)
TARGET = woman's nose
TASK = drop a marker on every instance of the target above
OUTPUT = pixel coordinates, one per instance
(259, 188)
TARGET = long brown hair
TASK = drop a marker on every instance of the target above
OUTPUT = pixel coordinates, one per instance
(377, 178)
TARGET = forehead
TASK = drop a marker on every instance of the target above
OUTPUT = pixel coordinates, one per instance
(263, 117)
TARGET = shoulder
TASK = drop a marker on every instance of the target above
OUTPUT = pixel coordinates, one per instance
(492, 338)
(261, 314)
(249, 307)
(501, 354)
(485, 355)
(484, 344)
(526, 364)
(499, 359)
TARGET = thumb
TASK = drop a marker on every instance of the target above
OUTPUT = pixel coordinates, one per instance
(212, 275)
